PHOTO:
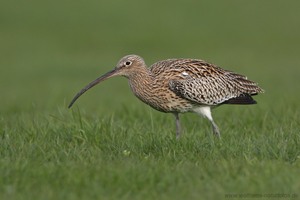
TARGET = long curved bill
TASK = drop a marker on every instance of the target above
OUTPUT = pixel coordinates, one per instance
(92, 84)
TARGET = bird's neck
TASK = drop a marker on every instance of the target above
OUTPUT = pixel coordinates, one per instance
(141, 83)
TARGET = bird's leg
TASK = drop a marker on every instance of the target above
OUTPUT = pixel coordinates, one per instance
(215, 128)
(206, 112)
(178, 127)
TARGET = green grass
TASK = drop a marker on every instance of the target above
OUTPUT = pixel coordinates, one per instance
(76, 156)
(110, 145)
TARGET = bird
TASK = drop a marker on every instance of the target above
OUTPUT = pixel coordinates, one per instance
(182, 85)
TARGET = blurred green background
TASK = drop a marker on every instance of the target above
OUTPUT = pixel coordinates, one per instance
(49, 50)
(110, 144)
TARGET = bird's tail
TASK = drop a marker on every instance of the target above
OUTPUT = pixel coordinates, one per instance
(243, 99)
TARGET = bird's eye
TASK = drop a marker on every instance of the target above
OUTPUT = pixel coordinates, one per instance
(128, 63)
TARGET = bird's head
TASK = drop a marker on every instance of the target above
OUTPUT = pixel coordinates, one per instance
(127, 66)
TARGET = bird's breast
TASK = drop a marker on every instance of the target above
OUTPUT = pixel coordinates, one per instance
(156, 93)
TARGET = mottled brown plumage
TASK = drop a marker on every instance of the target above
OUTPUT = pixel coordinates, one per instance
(182, 85)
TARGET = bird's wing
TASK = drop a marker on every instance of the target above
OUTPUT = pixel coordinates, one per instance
(207, 84)
(206, 90)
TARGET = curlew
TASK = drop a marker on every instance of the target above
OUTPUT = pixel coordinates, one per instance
(182, 85)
